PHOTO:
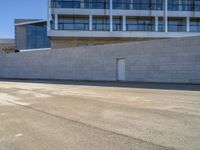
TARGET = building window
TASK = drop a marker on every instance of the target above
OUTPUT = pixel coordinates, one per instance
(140, 24)
(160, 24)
(173, 5)
(36, 36)
(65, 3)
(197, 5)
(126, 4)
(117, 23)
(176, 24)
(118, 4)
(73, 22)
(147, 5)
(178, 5)
(142, 4)
(193, 5)
(184, 5)
(158, 4)
(195, 24)
(101, 23)
(96, 4)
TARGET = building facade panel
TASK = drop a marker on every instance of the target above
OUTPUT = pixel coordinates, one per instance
(20, 37)
(31, 34)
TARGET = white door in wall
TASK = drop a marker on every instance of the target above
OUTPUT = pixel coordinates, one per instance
(121, 69)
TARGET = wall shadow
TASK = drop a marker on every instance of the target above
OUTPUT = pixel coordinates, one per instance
(145, 85)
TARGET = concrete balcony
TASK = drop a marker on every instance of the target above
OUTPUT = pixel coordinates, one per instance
(120, 34)
(80, 11)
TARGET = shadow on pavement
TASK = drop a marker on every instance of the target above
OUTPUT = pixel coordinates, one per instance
(145, 85)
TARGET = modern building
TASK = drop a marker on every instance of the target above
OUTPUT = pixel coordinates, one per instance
(91, 22)
(31, 34)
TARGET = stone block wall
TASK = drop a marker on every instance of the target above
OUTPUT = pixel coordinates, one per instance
(166, 60)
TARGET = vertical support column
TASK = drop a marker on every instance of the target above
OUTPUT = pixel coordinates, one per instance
(156, 23)
(188, 24)
(111, 16)
(49, 15)
(124, 23)
(56, 21)
(90, 22)
(166, 15)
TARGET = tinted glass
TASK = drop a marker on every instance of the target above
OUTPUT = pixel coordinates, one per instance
(37, 36)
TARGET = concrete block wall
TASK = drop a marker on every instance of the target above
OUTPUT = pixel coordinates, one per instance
(168, 60)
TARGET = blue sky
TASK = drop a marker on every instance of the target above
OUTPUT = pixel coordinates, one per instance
(11, 9)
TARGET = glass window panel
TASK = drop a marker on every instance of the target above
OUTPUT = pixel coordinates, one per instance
(37, 36)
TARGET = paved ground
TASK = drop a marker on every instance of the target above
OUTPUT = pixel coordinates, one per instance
(98, 116)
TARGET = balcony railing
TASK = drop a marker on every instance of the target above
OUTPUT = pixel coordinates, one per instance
(176, 28)
(195, 28)
(124, 5)
(140, 27)
(183, 7)
(73, 26)
(101, 26)
(172, 28)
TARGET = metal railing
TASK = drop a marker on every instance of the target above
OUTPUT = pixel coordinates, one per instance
(176, 28)
(124, 5)
(183, 7)
(140, 27)
(73, 26)
(101, 26)
(194, 28)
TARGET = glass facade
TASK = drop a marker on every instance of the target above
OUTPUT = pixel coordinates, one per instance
(184, 5)
(195, 24)
(145, 21)
(36, 36)
(173, 5)
(161, 24)
(73, 22)
(176, 25)
(95, 4)
(65, 3)
(101, 23)
(140, 24)
(147, 5)
(117, 23)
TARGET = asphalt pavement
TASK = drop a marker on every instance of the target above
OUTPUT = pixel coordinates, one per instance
(64, 115)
